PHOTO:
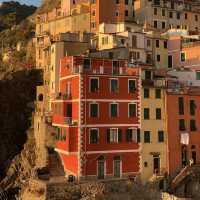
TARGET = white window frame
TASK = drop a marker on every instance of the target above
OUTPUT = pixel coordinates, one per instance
(111, 84)
(120, 167)
(129, 84)
(97, 134)
(90, 109)
(135, 131)
(180, 56)
(97, 78)
(117, 141)
(110, 109)
(129, 108)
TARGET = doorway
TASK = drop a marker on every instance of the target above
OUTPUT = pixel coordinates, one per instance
(194, 157)
(184, 156)
(101, 167)
(117, 167)
(156, 164)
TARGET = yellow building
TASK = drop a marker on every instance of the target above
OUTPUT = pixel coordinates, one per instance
(153, 126)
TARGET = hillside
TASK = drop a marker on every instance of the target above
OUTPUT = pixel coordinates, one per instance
(12, 13)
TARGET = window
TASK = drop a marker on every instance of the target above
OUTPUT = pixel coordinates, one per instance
(148, 43)
(181, 124)
(160, 136)
(114, 135)
(146, 93)
(117, 13)
(93, 110)
(138, 136)
(126, 2)
(158, 93)
(178, 15)
(93, 13)
(114, 85)
(158, 58)
(115, 67)
(181, 105)
(147, 75)
(113, 110)
(196, 18)
(192, 107)
(147, 136)
(94, 136)
(186, 15)
(132, 111)
(165, 44)
(163, 25)
(163, 12)
(146, 113)
(198, 75)
(155, 11)
(134, 41)
(69, 110)
(93, 24)
(158, 113)
(170, 14)
(157, 43)
(131, 135)
(131, 86)
(183, 57)
(117, 1)
(94, 84)
(170, 61)
(155, 24)
(86, 63)
(126, 13)
(193, 125)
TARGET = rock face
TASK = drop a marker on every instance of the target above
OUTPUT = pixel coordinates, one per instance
(18, 92)
(20, 169)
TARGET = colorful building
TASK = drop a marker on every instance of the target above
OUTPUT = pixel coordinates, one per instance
(183, 127)
(162, 15)
(96, 117)
(154, 135)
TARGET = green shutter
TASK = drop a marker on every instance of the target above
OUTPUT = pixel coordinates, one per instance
(108, 135)
(127, 135)
(132, 86)
(119, 135)
(138, 136)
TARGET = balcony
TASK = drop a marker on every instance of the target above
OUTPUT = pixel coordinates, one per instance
(48, 117)
(148, 83)
(70, 122)
(64, 96)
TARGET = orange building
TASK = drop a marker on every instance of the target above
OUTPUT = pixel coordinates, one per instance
(96, 117)
(112, 11)
(183, 127)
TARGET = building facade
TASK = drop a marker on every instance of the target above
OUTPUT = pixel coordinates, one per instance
(96, 118)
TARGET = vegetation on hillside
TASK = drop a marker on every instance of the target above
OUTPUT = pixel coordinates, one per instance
(12, 13)
(48, 5)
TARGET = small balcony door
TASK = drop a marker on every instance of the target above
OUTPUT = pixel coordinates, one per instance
(101, 168)
(117, 167)
(184, 156)
(156, 164)
(194, 157)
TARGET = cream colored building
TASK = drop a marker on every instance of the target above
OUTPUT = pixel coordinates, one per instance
(153, 127)
(164, 14)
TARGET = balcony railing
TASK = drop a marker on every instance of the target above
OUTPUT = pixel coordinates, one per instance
(64, 96)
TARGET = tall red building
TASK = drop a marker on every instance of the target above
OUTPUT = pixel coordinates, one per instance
(183, 127)
(97, 118)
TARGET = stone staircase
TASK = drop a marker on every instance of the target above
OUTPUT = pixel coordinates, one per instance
(56, 168)
(180, 176)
